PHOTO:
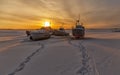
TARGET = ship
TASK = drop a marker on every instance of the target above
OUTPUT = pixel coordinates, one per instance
(79, 31)
(60, 32)
(38, 34)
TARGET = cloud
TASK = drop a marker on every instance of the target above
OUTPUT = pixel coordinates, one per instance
(67, 11)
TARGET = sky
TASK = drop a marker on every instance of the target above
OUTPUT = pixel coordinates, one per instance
(25, 14)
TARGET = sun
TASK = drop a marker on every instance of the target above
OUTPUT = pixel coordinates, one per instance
(47, 24)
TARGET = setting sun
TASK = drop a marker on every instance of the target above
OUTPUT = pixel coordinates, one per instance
(47, 24)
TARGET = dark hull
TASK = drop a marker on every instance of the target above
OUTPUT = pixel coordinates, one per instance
(78, 33)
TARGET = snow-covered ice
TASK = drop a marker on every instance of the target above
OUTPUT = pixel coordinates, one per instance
(97, 54)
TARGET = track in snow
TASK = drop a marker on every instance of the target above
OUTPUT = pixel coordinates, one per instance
(88, 65)
(27, 60)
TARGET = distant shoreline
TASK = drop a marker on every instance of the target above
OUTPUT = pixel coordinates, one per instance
(90, 29)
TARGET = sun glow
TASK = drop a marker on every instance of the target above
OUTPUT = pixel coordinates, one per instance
(47, 24)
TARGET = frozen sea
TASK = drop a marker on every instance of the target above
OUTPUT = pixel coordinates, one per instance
(97, 54)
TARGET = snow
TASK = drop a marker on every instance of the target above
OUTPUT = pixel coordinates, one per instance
(97, 54)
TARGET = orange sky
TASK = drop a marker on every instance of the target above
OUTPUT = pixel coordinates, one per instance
(26, 14)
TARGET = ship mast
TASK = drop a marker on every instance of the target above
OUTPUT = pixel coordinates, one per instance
(78, 21)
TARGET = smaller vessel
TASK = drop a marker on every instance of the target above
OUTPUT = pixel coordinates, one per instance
(28, 33)
(60, 32)
(79, 31)
(116, 30)
(38, 34)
